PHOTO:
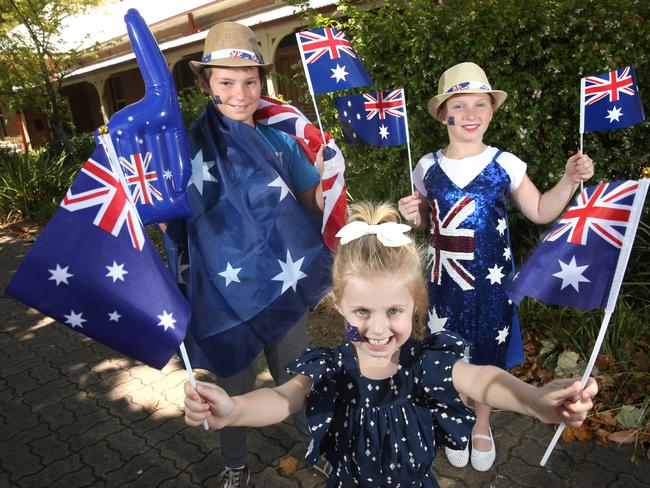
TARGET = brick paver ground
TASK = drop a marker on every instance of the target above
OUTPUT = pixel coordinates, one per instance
(74, 413)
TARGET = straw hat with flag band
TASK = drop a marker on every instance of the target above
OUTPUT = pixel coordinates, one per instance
(460, 79)
(230, 45)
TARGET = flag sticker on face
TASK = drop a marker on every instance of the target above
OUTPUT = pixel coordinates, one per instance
(610, 101)
(330, 62)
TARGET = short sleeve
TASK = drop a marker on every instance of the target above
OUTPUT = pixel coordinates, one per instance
(420, 172)
(453, 421)
(515, 168)
(324, 367)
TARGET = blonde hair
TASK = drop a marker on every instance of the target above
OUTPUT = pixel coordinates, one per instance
(368, 258)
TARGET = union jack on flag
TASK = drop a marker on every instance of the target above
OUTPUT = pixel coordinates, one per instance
(391, 103)
(330, 62)
(139, 176)
(449, 244)
(601, 213)
(610, 101)
(575, 264)
(115, 207)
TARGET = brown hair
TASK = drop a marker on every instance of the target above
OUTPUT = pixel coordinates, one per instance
(368, 258)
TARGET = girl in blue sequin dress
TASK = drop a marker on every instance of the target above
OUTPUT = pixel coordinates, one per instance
(462, 196)
(379, 404)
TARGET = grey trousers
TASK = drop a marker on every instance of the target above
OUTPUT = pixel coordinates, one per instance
(278, 354)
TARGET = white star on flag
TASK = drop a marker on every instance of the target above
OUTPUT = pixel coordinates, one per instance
(502, 335)
(230, 274)
(167, 174)
(571, 274)
(116, 271)
(130, 118)
(383, 132)
(339, 73)
(614, 114)
(114, 316)
(75, 319)
(290, 273)
(201, 172)
(279, 183)
(495, 275)
(60, 275)
(435, 323)
(167, 320)
(501, 226)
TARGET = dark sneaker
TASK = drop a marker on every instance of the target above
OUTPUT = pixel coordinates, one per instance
(235, 478)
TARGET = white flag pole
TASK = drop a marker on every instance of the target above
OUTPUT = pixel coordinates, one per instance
(583, 85)
(408, 139)
(311, 89)
(190, 374)
(617, 281)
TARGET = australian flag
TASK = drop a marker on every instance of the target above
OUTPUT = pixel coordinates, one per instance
(376, 119)
(94, 270)
(575, 264)
(610, 101)
(330, 62)
(251, 260)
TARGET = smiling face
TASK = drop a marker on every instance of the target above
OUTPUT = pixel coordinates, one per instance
(471, 115)
(238, 88)
(382, 310)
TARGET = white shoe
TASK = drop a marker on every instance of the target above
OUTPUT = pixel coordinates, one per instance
(458, 458)
(483, 460)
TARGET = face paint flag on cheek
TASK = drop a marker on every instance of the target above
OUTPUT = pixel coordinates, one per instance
(451, 121)
(149, 135)
(216, 100)
(352, 332)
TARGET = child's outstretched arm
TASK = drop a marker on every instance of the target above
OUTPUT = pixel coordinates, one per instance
(553, 403)
(258, 408)
(545, 208)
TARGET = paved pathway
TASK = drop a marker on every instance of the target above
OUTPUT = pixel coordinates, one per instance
(74, 413)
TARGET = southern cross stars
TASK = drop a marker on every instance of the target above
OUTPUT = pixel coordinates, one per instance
(230, 274)
(167, 320)
(290, 273)
(75, 319)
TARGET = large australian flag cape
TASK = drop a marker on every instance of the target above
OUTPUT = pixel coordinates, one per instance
(250, 260)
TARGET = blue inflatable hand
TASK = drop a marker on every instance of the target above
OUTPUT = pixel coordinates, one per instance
(149, 136)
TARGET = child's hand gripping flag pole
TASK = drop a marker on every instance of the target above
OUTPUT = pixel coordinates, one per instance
(330, 64)
(582, 260)
(609, 101)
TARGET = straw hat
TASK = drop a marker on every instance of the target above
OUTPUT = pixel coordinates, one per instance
(230, 45)
(463, 78)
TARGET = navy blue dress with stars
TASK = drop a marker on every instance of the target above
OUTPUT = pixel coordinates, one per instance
(470, 262)
(384, 433)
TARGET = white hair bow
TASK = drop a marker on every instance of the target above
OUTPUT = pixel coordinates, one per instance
(390, 234)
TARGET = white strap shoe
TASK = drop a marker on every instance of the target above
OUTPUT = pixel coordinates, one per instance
(483, 460)
(458, 458)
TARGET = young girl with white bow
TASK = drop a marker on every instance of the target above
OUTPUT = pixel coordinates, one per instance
(380, 403)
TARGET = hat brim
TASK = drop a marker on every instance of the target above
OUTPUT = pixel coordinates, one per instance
(198, 66)
(436, 101)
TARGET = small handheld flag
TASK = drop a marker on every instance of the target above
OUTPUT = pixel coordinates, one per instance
(591, 245)
(376, 119)
(330, 62)
(610, 101)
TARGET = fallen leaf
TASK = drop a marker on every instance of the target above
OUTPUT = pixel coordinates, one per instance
(567, 435)
(583, 434)
(622, 436)
(288, 465)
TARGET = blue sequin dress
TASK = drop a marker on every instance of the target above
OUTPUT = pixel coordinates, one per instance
(384, 433)
(470, 262)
